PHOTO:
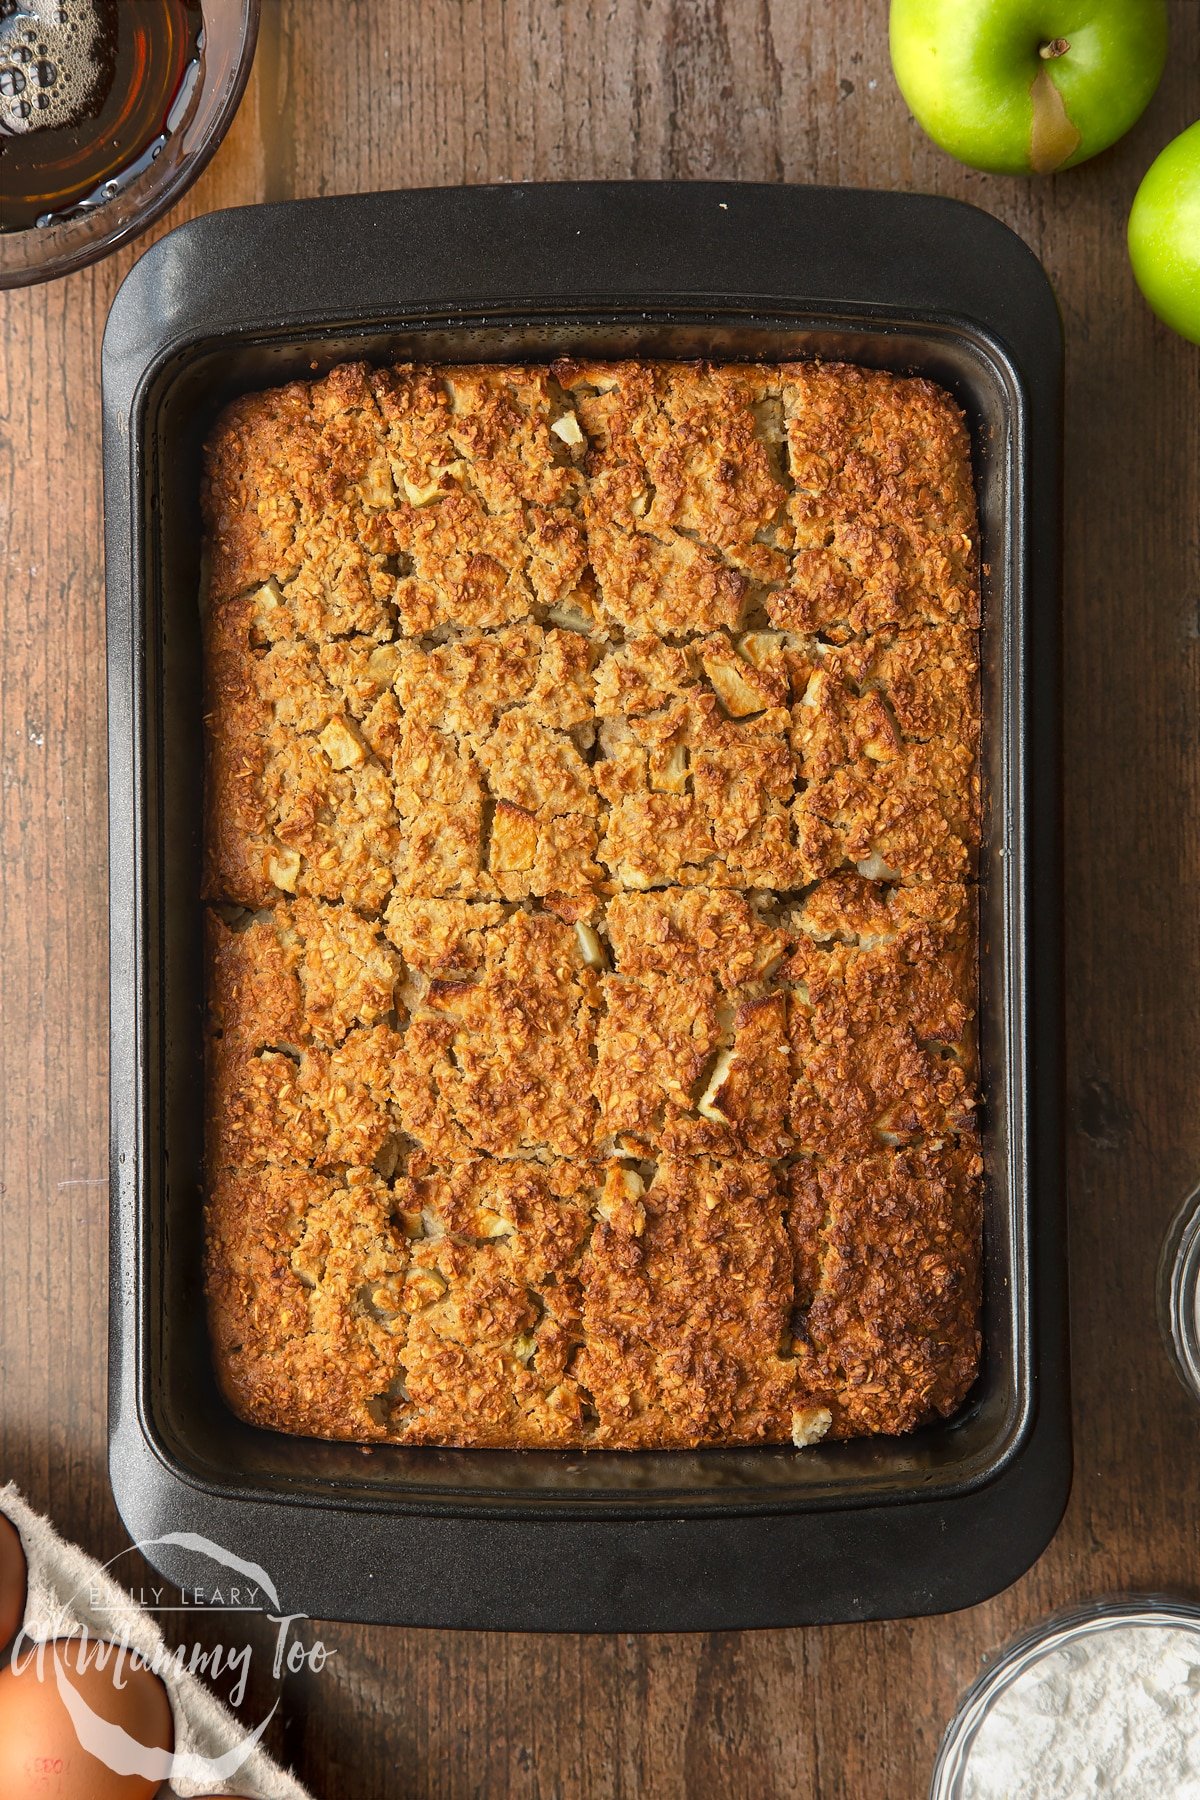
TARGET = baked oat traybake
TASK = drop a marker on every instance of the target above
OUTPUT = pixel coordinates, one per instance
(592, 812)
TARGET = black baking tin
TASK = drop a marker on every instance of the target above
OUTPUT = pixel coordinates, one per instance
(536, 1539)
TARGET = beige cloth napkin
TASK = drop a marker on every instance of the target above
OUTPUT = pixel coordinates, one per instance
(67, 1587)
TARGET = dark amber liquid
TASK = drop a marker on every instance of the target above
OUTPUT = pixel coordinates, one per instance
(142, 56)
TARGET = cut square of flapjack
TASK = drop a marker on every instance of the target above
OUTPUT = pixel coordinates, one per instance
(291, 478)
(889, 1337)
(729, 939)
(881, 984)
(881, 507)
(885, 732)
(447, 493)
(685, 499)
(867, 700)
(467, 684)
(493, 1303)
(299, 789)
(687, 1301)
(305, 1281)
(680, 1067)
(497, 1054)
(303, 1004)
(487, 493)
(494, 787)
(914, 818)
(694, 795)
(478, 847)
(692, 1049)
(325, 1107)
(299, 972)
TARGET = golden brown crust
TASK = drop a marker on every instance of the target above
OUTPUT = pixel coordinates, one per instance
(592, 803)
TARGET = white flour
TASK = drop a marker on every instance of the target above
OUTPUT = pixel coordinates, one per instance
(1115, 1713)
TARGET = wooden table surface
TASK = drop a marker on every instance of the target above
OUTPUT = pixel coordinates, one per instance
(401, 93)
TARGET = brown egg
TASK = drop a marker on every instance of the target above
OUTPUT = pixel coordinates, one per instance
(13, 1578)
(40, 1753)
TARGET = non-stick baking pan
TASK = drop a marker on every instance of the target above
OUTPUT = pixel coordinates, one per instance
(538, 1539)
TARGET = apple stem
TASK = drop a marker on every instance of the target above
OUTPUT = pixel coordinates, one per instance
(1056, 47)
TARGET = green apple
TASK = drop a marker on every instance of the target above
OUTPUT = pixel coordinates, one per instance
(1164, 234)
(1024, 87)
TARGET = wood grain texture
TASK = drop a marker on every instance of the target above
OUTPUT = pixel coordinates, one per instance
(450, 91)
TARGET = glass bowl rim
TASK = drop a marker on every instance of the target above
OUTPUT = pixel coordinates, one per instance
(1178, 1292)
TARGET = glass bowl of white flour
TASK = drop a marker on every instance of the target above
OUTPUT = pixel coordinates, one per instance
(1102, 1700)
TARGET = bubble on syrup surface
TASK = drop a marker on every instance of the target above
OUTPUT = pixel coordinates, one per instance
(53, 44)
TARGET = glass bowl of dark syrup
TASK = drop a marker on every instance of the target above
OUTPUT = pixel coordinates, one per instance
(109, 109)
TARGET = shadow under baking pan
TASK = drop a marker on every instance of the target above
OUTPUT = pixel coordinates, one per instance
(573, 1540)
